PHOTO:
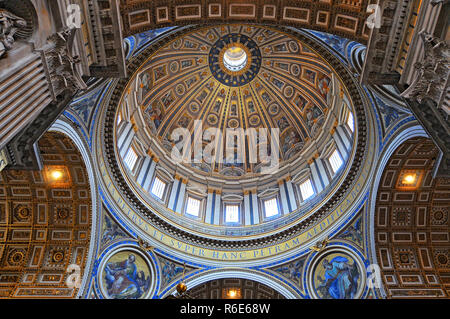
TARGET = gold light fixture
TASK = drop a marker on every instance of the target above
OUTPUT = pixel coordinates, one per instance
(409, 179)
(232, 293)
(56, 174)
(182, 287)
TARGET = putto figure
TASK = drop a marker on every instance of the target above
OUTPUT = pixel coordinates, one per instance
(9, 24)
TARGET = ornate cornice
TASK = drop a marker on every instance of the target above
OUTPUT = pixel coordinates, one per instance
(343, 18)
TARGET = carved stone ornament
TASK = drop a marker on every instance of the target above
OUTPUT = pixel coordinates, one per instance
(61, 63)
(9, 24)
(436, 2)
(432, 72)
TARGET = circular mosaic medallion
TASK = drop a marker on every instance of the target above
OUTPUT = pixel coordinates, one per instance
(180, 89)
(212, 119)
(233, 123)
(174, 67)
(234, 59)
(288, 91)
(293, 46)
(254, 120)
(177, 44)
(126, 274)
(336, 273)
(194, 107)
(295, 69)
(274, 109)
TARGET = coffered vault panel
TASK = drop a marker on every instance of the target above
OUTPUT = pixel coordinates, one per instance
(340, 17)
(45, 223)
(233, 288)
(412, 224)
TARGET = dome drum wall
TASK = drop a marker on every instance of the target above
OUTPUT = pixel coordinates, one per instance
(194, 233)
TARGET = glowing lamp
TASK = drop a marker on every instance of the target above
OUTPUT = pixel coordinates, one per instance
(409, 179)
(181, 288)
(56, 174)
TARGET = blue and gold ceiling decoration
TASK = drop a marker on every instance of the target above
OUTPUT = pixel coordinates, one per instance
(221, 72)
(284, 84)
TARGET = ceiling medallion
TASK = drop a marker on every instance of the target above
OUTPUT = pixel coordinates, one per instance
(234, 59)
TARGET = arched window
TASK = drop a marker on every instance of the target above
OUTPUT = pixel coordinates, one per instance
(335, 161)
(306, 189)
(232, 213)
(131, 158)
(158, 187)
(350, 121)
(271, 207)
(193, 206)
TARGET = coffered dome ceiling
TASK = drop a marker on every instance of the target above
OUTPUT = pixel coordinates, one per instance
(232, 77)
(239, 77)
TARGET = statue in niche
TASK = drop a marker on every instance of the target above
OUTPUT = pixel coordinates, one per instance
(9, 24)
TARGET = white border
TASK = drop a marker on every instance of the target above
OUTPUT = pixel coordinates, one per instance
(67, 129)
(150, 264)
(239, 273)
(406, 133)
(331, 250)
